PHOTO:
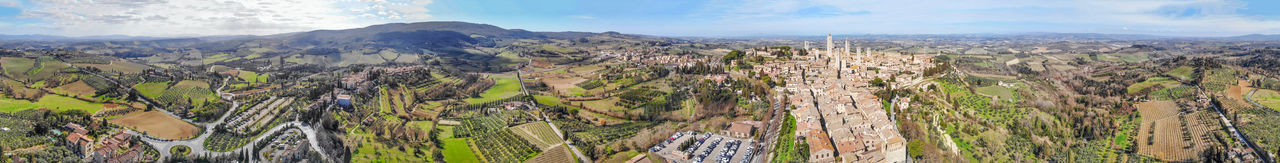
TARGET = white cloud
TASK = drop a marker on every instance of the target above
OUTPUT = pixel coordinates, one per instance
(10, 3)
(1164, 17)
(217, 17)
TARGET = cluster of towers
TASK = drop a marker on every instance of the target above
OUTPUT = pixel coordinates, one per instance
(839, 59)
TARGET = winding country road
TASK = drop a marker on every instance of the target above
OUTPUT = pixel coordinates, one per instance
(197, 144)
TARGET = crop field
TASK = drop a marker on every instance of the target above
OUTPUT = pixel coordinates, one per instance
(17, 67)
(196, 91)
(565, 85)
(538, 133)
(555, 154)
(1152, 82)
(1173, 93)
(187, 90)
(151, 89)
(504, 146)
(588, 139)
(46, 68)
(1182, 73)
(1168, 135)
(609, 104)
(552, 101)
(259, 114)
(997, 91)
(78, 88)
(505, 86)
(252, 77)
(1268, 98)
(458, 150)
(118, 66)
(51, 102)
(157, 124)
(1154, 110)
(1218, 79)
(1177, 138)
(371, 150)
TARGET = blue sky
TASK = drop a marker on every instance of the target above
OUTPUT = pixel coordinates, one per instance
(652, 17)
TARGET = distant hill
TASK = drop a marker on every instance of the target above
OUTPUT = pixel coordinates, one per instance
(65, 38)
(1257, 37)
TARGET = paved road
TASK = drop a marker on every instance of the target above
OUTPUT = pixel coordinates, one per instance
(197, 144)
(555, 128)
(1250, 98)
(1232, 128)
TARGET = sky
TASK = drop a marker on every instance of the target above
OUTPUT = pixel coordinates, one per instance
(708, 18)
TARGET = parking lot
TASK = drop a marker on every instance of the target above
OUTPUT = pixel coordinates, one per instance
(713, 148)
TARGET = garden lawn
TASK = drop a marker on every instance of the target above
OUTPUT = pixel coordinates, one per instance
(504, 86)
(51, 102)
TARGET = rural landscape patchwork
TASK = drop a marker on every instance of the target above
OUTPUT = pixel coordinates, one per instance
(467, 84)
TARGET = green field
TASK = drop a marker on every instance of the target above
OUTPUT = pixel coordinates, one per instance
(1152, 82)
(375, 151)
(457, 150)
(1268, 98)
(17, 67)
(552, 101)
(504, 86)
(1183, 72)
(996, 91)
(1134, 58)
(51, 102)
(538, 133)
(216, 58)
(151, 89)
(252, 77)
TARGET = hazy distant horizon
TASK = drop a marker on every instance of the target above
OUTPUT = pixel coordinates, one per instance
(716, 18)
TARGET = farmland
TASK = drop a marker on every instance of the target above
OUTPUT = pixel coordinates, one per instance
(1182, 73)
(118, 66)
(51, 102)
(1162, 81)
(252, 77)
(555, 154)
(78, 88)
(1268, 98)
(538, 133)
(195, 92)
(505, 86)
(17, 67)
(1167, 134)
(157, 124)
